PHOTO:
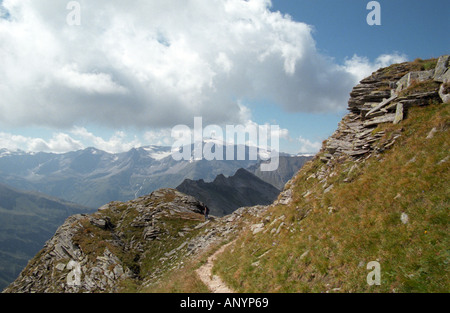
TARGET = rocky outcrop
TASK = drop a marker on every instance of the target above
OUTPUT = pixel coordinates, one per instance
(91, 253)
(384, 97)
(135, 241)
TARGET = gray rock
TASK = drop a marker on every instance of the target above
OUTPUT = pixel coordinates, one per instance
(328, 189)
(404, 218)
(412, 77)
(441, 68)
(256, 228)
(398, 113)
(443, 93)
(103, 223)
(182, 246)
(151, 233)
(443, 160)
(431, 133)
(304, 255)
(381, 119)
(381, 105)
(446, 77)
(201, 225)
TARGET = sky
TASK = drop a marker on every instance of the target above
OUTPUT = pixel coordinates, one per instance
(116, 74)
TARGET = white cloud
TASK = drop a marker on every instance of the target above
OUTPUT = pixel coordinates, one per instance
(78, 138)
(167, 137)
(117, 143)
(362, 67)
(88, 82)
(59, 143)
(155, 64)
(307, 146)
(160, 137)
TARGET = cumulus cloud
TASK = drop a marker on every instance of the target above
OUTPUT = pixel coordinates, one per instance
(160, 63)
(308, 146)
(78, 138)
(59, 143)
(362, 67)
(117, 143)
(161, 137)
(166, 137)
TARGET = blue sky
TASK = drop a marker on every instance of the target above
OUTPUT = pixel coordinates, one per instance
(414, 28)
(417, 28)
(127, 74)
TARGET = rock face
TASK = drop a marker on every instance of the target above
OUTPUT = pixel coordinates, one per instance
(288, 166)
(384, 97)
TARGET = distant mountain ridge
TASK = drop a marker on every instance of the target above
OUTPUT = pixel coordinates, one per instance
(93, 177)
(287, 167)
(27, 220)
(226, 194)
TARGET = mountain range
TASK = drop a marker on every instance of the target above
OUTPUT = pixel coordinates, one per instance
(92, 177)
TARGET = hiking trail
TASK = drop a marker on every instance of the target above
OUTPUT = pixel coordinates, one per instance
(214, 282)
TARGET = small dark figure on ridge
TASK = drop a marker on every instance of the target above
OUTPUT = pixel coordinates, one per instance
(206, 212)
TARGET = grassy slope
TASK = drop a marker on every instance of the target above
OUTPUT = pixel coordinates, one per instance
(359, 221)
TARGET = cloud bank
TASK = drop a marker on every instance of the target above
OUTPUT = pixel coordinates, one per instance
(155, 64)
(60, 142)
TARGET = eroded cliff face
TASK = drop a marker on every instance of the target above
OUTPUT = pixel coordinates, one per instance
(382, 98)
(385, 97)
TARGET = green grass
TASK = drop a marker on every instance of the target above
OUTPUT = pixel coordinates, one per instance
(425, 65)
(418, 87)
(184, 279)
(364, 225)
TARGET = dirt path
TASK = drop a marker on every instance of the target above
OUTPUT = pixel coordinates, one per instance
(214, 283)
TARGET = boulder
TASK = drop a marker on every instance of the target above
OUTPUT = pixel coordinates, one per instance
(398, 113)
(381, 119)
(103, 223)
(446, 77)
(412, 77)
(441, 68)
(444, 92)
(256, 228)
